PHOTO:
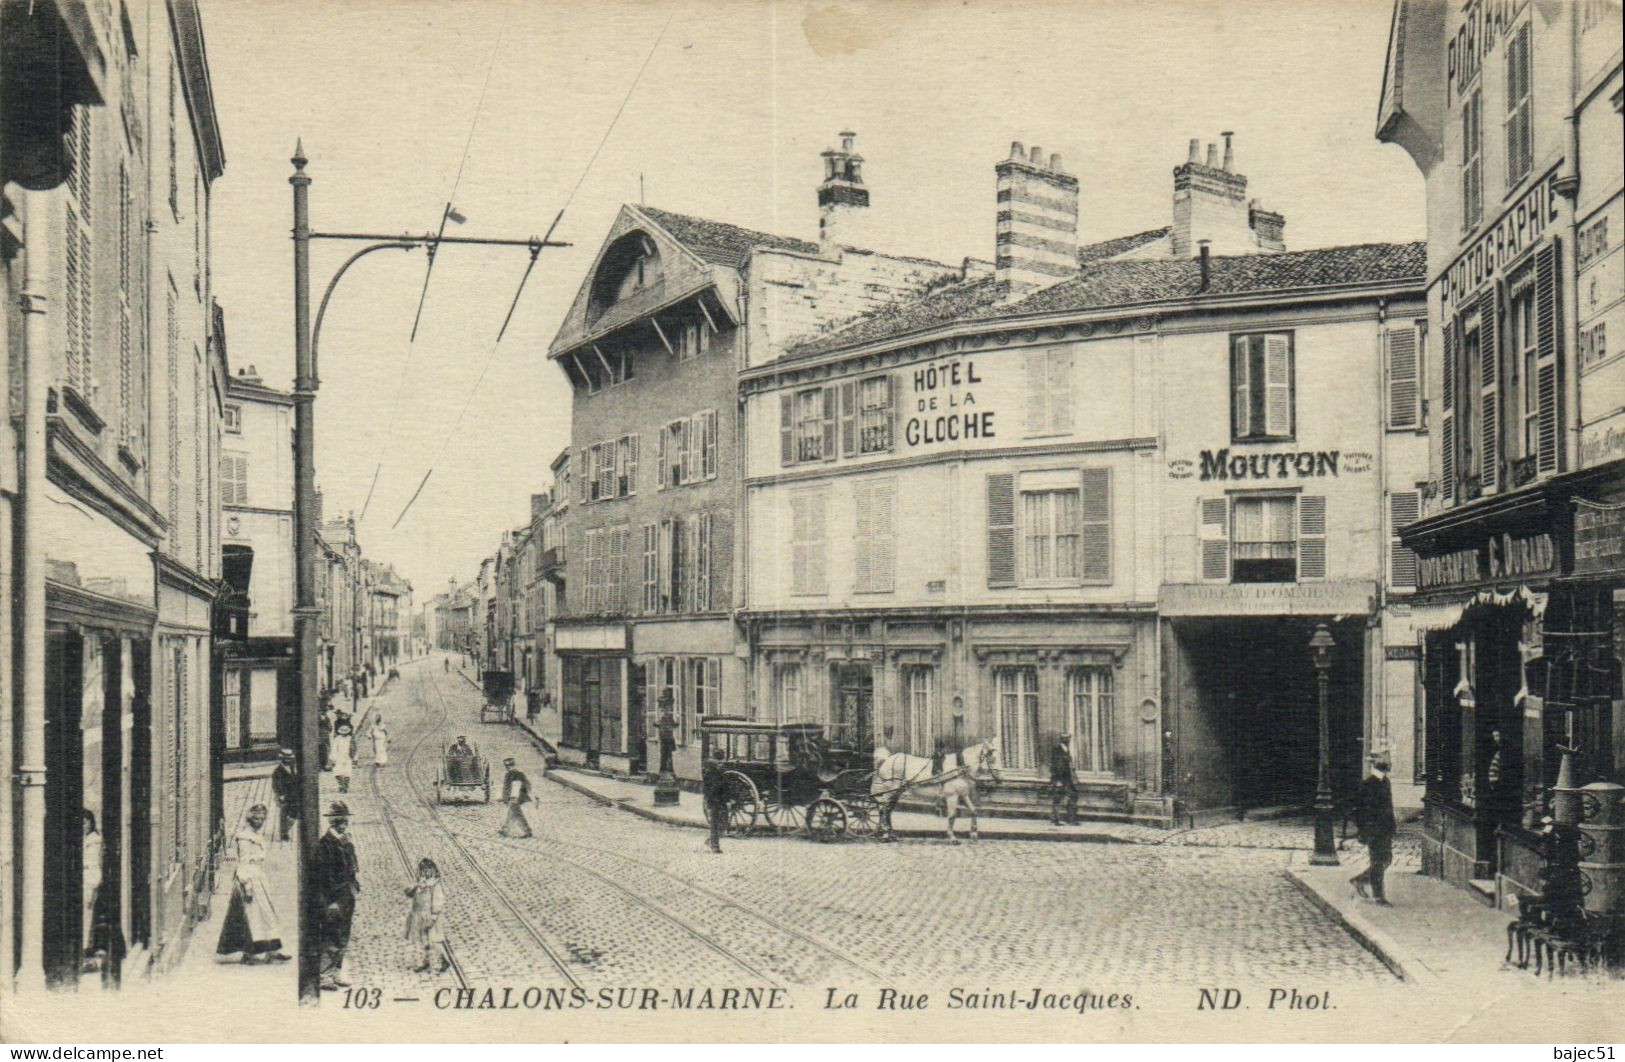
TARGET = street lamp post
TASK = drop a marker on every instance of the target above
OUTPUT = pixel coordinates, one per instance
(1325, 853)
(666, 791)
(305, 612)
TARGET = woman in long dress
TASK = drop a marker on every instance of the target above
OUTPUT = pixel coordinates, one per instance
(343, 754)
(251, 922)
(380, 743)
(423, 920)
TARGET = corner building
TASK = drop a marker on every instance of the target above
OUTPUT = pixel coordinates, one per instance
(1512, 111)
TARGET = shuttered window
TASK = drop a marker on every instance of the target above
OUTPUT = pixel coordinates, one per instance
(78, 261)
(233, 479)
(808, 425)
(874, 535)
(706, 466)
(1520, 138)
(1095, 542)
(807, 542)
(868, 410)
(698, 561)
(650, 541)
(1311, 537)
(1001, 529)
(1261, 379)
(173, 379)
(1489, 390)
(1213, 539)
(1049, 391)
(1472, 162)
(1548, 368)
(1404, 507)
(1404, 377)
(1449, 470)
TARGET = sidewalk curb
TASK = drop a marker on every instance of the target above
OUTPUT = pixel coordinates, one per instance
(625, 804)
(1402, 965)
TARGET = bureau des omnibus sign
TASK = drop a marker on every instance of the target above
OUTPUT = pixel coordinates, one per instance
(1501, 557)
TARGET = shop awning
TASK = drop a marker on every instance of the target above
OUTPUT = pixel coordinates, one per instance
(1442, 615)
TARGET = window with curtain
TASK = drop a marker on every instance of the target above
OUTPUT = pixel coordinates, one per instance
(1264, 541)
(920, 687)
(1016, 691)
(1049, 522)
(787, 692)
(1090, 693)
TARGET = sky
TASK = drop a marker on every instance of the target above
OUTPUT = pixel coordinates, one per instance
(499, 105)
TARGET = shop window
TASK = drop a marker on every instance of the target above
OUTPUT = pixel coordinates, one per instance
(920, 687)
(1049, 391)
(1091, 698)
(807, 427)
(1261, 380)
(1472, 161)
(1016, 690)
(1519, 127)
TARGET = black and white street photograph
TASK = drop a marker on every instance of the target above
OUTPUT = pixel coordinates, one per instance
(780, 521)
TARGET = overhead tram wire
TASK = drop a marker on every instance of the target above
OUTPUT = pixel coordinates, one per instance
(491, 355)
(445, 215)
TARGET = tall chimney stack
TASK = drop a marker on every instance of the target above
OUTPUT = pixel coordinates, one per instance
(843, 201)
(1037, 221)
(1210, 203)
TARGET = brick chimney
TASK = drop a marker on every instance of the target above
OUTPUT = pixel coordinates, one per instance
(843, 201)
(1210, 203)
(1037, 221)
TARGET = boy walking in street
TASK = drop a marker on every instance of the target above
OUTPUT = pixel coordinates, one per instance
(1374, 815)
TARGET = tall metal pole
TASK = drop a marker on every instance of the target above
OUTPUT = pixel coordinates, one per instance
(305, 612)
(1325, 853)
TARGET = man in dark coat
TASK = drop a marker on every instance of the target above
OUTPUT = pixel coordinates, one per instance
(285, 787)
(1374, 814)
(1062, 782)
(714, 788)
(335, 884)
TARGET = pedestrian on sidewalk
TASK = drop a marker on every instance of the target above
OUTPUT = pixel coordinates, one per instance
(251, 925)
(285, 787)
(1063, 783)
(326, 740)
(335, 883)
(1374, 815)
(447, 663)
(714, 791)
(423, 920)
(380, 742)
(343, 754)
(516, 794)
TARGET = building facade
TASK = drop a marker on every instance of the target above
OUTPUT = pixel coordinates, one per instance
(1512, 112)
(259, 676)
(110, 148)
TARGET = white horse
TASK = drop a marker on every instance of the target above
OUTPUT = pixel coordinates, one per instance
(949, 780)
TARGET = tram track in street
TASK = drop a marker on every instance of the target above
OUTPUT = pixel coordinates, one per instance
(411, 871)
(636, 898)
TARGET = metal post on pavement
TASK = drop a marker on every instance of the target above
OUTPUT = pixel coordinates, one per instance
(666, 791)
(1325, 853)
(305, 612)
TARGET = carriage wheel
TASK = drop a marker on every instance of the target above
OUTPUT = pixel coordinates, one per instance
(863, 817)
(826, 819)
(743, 802)
(785, 818)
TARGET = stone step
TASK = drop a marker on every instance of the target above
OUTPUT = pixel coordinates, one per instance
(1482, 889)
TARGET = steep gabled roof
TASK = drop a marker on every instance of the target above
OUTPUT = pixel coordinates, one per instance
(1132, 282)
(718, 242)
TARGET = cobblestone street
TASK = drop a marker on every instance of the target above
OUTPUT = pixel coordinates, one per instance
(599, 898)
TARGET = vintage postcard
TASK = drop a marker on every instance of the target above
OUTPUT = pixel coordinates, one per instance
(786, 520)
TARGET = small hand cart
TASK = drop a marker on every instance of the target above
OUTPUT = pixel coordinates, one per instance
(461, 775)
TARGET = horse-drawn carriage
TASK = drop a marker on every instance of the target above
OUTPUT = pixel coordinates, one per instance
(788, 776)
(463, 773)
(791, 776)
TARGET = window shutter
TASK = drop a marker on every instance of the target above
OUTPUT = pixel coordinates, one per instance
(1096, 540)
(849, 418)
(1277, 385)
(702, 565)
(816, 563)
(1548, 351)
(1240, 388)
(828, 452)
(1037, 406)
(662, 461)
(72, 272)
(1489, 396)
(617, 569)
(1001, 529)
(606, 470)
(676, 566)
(686, 441)
(1059, 390)
(882, 535)
(863, 536)
(1312, 537)
(713, 681)
(667, 575)
(581, 475)
(710, 444)
(893, 413)
(1447, 418)
(1403, 383)
(1404, 506)
(1213, 535)
(632, 464)
(798, 543)
(787, 451)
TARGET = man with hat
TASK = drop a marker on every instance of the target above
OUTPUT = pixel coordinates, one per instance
(285, 787)
(516, 794)
(1062, 782)
(1374, 814)
(335, 885)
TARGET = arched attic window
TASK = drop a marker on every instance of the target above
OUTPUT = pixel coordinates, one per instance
(630, 265)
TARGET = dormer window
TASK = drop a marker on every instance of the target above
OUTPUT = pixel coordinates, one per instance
(630, 266)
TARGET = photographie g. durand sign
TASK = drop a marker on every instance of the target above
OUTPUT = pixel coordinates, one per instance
(943, 405)
(1503, 556)
(1223, 464)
